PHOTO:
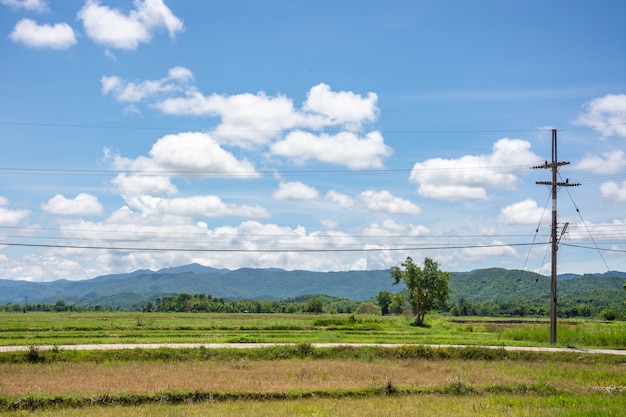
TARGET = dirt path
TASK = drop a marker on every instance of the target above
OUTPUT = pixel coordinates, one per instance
(317, 345)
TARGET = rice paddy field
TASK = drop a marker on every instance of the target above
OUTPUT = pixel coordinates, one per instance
(300, 379)
(120, 327)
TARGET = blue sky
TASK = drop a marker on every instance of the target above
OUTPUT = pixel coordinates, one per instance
(319, 135)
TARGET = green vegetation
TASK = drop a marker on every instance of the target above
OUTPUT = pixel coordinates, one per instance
(287, 377)
(71, 328)
(427, 287)
(299, 378)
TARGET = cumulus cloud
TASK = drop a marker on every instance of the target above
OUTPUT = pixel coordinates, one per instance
(295, 191)
(470, 176)
(345, 201)
(606, 115)
(114, 29)
(81, 205)
(57, 36)
(342, 107)
(391, 228)
(523, 212)
(130, 185)
(251, 120)
(30, 5)
(384, 201)
(614, 191)
(195, 206)
(610, 162)
(10, 217)
(187, 154)
(344, 148)
(247, 120)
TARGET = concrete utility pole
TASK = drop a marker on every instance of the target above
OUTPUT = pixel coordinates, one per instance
(554, 166)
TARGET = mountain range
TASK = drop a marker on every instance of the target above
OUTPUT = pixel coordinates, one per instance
(135, 288)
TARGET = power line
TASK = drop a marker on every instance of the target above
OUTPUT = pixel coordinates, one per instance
(146, 249)
(189, 128)
(182, 128)
(254, 173)
(204, 234)
(594, 248)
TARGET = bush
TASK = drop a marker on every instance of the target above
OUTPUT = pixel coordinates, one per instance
(34, 355)
(368, 308)
(608, 314)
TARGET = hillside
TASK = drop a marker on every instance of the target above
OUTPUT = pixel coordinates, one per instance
(245, 283)
(493, 285)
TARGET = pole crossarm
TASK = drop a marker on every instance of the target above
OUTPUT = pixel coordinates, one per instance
(550, 165)
(559, 184)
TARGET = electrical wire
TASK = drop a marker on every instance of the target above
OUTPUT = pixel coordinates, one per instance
(247, 250)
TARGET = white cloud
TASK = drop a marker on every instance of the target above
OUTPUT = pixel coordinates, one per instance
(342, 107)
(247, 119)
(295, 191)
(130, 185)
(384, 201)
(114, 29)
(610, 162)
(10, 217)
(343, 200)
(252, 120)
(30, 5)
(523, 212)
(187, 154)
(125, 91)
(492, 249)
(606, 115)
(391, 228)
(199, 206)
(198, 152)
(469, 176)
(81, 205)
(614, 191)
(57, 36)
(329, 224)
(604, 231)
(344, 148)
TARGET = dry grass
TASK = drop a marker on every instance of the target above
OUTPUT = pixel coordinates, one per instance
(287, 375)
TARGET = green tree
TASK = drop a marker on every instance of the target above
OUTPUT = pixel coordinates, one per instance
(314, 305)
(428, 287)
(383, 299)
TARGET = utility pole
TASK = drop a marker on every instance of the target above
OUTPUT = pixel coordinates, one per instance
(554, 166)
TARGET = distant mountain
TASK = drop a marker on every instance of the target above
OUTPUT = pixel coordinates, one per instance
(498, 285)
(138, 287)
(194, 268)
(247, 283)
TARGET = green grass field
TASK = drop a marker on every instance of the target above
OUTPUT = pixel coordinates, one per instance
(88, 328)
(300, 380)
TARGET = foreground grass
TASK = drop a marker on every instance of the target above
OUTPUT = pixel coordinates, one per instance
(426, 404)
(296, 380)
(99, 328)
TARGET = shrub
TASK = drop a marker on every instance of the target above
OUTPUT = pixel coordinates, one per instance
(608, 314)
(34, 355)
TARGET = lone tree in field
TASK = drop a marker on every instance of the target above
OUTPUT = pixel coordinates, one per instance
(428, 286)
